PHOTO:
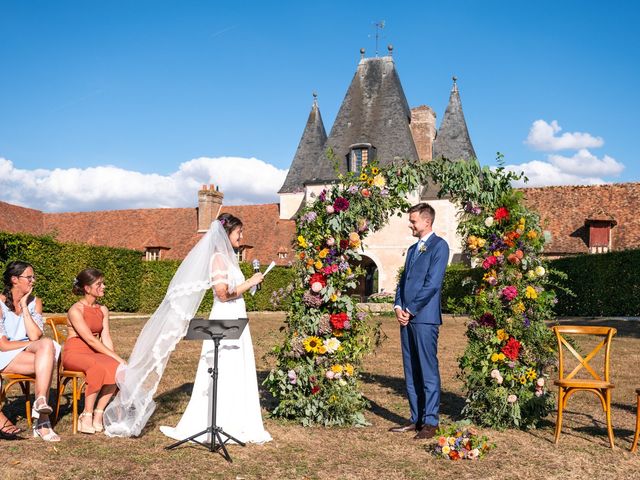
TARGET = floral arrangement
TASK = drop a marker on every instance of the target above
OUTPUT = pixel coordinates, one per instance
(460, 442)
(316, 377)
(510, 351)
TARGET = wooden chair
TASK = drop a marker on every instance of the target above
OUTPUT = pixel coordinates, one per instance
(59, 325)
(569, 384)
(24, 381)
(634, 447)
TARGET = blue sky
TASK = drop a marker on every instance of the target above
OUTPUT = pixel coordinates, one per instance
(129, 104)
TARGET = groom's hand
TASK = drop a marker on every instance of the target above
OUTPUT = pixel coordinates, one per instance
(402, 316)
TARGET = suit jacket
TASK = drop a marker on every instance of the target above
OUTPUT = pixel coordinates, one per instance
(420, 286)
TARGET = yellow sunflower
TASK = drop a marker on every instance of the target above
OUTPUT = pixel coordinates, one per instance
(375, 170)
(363, 177)
(312, 344)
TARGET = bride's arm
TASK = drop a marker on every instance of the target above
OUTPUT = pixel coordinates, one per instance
(220, 280)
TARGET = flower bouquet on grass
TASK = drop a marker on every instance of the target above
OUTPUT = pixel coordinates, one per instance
(460, 442)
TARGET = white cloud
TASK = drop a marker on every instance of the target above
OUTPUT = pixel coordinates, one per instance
(544, 173)
(242, 180)
(542, 136)
(584, 163)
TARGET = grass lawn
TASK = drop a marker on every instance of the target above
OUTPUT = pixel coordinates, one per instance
(350, 453)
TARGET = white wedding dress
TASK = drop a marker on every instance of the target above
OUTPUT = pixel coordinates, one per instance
(238, 402)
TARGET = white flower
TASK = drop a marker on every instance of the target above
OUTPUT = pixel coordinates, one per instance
(330, 209)
(293, 377)
(488, 221)
(512, 398)
(495, 373)
(329, 375)
(473, 454)
(499, 380)
(540, 382)
(342, 382)
(331, 344)
(316, 287)
(540, 271)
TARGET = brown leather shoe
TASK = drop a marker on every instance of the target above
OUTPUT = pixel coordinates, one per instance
(426, 432)
(410, 427)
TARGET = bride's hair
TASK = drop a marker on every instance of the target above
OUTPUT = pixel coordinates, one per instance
(229, 222)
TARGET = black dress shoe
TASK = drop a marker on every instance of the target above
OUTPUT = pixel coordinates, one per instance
(411, 427)
(426, 432)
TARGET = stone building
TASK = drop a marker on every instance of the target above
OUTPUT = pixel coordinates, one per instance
(375, 122)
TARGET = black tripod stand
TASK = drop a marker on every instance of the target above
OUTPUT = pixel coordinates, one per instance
(215, 330)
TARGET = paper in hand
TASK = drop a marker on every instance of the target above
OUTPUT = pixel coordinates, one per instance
(253, 290)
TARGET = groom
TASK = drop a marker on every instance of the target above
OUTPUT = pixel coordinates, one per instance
(417, 307)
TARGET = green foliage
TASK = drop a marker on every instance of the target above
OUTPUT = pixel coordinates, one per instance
(459, 283)
(56, 265)
(603, 284)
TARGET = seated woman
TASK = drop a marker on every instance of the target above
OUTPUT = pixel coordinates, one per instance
(23, 349)
(89, 348)
(8, 431)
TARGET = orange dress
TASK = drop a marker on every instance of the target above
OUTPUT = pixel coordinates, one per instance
(99, 369)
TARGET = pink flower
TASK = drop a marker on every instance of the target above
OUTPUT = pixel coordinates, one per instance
(509, 293)
(330, 242)
(489, 262)
(316, 287)
(329, 374)
(293, 377)
(340, 204)
(330, 209)
(512, 398)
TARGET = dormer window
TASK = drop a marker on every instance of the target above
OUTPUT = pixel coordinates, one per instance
(359, 155)
(599, 225)
(152, 254)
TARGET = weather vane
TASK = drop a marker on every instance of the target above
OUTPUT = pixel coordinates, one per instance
(378, 26)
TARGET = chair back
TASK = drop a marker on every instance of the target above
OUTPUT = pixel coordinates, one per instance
(585, 362)
(58, 326)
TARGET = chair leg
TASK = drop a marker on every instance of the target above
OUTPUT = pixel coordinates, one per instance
(634, 447)
(74, 398)
(26, 389)
(608, 411)
(559, 417)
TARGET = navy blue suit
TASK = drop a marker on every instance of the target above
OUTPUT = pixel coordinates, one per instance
(419, 293)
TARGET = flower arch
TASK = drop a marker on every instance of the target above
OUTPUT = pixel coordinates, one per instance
(510, 350)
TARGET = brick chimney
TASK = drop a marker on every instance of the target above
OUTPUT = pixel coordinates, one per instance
(209, 204)
(423, 131)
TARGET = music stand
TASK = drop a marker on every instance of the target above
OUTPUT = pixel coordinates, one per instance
(216, 330)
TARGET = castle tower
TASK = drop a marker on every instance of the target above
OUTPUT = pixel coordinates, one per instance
(309, 150)
(452, 140)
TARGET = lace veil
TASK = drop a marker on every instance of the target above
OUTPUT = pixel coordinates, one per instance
(208, 263)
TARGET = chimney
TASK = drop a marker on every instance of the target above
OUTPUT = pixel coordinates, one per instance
(423, 131)
(209, 205)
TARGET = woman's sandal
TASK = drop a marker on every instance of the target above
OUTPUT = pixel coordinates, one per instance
(98, 426)
(43, 408)
(8, 431)
(51, 436)
(81, 427)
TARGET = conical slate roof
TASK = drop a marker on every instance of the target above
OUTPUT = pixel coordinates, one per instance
(309, 149)
(374, 111)
(452, 140)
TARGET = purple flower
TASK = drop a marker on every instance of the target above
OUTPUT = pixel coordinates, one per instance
(487, 320)
(384, 192)
(361, 316)
(352, 189)
(311, 299)
(310, 217)
(323, 195)
(347, 325)
(525, 320)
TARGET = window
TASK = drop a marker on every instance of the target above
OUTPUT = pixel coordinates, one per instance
(359, 156)
(282, 254)
(152, 254)
(241, 254)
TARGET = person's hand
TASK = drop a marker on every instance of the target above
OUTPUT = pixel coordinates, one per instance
(256, 279)
(23, 301)
(402, 316)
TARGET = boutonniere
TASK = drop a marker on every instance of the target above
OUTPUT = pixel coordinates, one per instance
(423, 248)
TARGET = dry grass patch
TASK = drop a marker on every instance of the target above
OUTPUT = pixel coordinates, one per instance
(346, 453)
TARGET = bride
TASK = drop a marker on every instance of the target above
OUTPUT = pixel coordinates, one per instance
(212, 262)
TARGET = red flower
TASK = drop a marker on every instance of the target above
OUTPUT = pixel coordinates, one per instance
(501, 214)
(489, 262)
(318, 277)
(340, 204)
(338, 320)
(454, 455)
(315, 389)
(512, 349)
(344, 244)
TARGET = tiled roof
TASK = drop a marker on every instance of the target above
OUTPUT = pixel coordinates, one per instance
(563, 211)
(306, 157)
(452, 140)
(16, 219)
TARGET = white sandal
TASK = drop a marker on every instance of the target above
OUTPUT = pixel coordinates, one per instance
(98, 427)
(81, 428)
(44, 407)
(47, 437)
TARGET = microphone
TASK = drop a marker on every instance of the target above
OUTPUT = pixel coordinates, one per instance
(256, 269)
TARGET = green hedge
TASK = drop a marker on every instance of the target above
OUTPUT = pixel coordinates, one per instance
(603, 284)
(56, 265)
(133, 285)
